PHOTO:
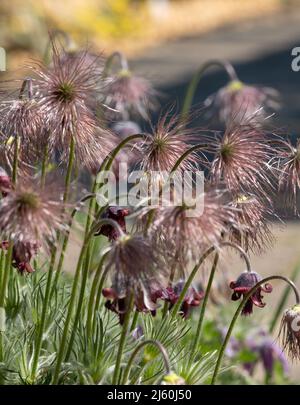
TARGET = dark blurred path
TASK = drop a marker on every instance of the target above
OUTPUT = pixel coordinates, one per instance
(260, 51)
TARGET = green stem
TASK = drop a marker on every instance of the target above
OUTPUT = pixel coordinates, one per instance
(16, 158)
(67, 235)
(69, 170)
(160, 347)
(110, 60)
(283, 300)
(5, 279)
(189, 281)
(203, 307)
(108, 161)
(239, 310)
(134, 321)
(44, 166)
(92, 295)
(195, 81)
(98, 296)
(125, 328)
(191, 150)
(41, 326)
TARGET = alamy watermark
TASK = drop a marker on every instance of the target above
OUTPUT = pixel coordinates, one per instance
(153, 189)
(296, 61)
(2, 60)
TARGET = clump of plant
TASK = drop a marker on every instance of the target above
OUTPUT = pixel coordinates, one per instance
(132, 310)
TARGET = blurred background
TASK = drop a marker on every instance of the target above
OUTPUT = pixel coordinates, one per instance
(166, 41)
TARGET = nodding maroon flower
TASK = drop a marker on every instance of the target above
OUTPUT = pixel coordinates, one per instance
(29, 216)
(192, 298)
(245, 282)
(289, 173)
(136, 269)
(5, 183)
(117, 214)
(241, 161)
(128, 94)
(252, 227)
(21, 255)
(66, 92)
(242, 103)
(290, 332)
(168, 141)
(143, 301)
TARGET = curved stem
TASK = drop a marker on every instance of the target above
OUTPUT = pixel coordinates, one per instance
(108, 161)
(196, 268)
(283, 299)
(39, 338)
(109, 62)
(187, 153)
(239, 310)
(93, 293)
(123, 340)
(189, 281)
(27, 83)
(196, 78)
(160, 347)
(98, 296)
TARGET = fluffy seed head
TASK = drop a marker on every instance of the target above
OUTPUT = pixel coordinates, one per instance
(166, 144)
(290, 332)
(67, 93)
(252, 227)
(30, 216)
(241, 161)
(289, 173)
(240, 103)
(129, 94)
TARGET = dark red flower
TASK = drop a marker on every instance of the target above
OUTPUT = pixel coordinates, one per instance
(117, 214)
(143, 302)
(22, 255)
(191, 299)
(243, 285)
(5, 183)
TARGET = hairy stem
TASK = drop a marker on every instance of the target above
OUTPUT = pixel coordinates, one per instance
(93, 293)
(239, 310)
(123, 336)
(198, 75)
(203, 307)
(41, 326)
